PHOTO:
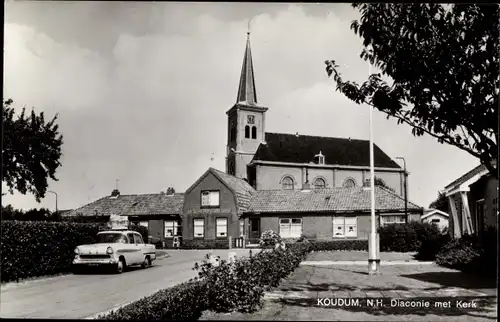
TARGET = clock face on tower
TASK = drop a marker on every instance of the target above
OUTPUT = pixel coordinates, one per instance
(250, 119)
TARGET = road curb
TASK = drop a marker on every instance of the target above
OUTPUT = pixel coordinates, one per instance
(382, 263)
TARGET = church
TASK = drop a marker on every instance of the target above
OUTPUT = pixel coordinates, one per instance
(295, 184)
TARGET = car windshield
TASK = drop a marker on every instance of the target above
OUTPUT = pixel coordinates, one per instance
(111, 238)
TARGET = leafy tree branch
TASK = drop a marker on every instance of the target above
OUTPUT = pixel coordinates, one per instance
(30, 152)
(443, 61)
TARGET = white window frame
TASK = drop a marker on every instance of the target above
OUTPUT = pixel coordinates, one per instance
(198, 228)
(319, 179)
(171, 224)
(221, 227)
(290, 229)
(385, 222)
(283, 184)
(347, 180)
(210, 198)
(345, 222)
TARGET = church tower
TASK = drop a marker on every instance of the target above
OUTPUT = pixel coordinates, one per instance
(246, 121)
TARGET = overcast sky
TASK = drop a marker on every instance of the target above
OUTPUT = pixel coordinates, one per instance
(142, 89)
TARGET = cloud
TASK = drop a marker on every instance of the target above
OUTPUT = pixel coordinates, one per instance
(147, 104)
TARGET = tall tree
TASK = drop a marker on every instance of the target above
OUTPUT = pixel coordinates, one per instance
(441, 202)
(31, 151)
(443, 61)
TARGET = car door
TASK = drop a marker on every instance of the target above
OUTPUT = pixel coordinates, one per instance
(140, 244)
(133, 250)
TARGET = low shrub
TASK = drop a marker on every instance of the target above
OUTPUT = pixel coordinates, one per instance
(38, 248)
(269, 239)
(183, 302)
(472, 254)
(406, 237)
(341, 244)
(459, 254)
(240, 285)
(230, 286)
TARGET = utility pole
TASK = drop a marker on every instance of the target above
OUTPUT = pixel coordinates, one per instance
(406, 187)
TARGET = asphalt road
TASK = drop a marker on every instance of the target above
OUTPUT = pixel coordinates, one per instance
(81, 296)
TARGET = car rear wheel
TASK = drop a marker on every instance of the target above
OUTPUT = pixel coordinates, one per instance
(120, 266)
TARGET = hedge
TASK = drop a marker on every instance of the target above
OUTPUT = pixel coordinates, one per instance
(343, 244)
(183, 302)
(204, 244)
(38, 248)
(406, 237)
(227, 287)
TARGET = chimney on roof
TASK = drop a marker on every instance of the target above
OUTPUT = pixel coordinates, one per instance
(306, 186)
(115, 193)
(170, 191)
(297, 134)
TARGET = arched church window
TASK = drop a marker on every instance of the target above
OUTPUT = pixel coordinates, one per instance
(254, 132)
(247, 132)
(349, 183)
(287, 183)
(319, 183)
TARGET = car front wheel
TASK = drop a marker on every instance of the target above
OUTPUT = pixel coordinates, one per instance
(146, 263)
(120, 266)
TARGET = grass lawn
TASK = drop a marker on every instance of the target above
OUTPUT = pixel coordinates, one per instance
(416, 282)
(357, 256)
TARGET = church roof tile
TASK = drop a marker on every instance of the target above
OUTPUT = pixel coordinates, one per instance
(281, 147)
(327, 200)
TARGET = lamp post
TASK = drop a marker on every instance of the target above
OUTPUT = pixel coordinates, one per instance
(406, 188)
(56, 199)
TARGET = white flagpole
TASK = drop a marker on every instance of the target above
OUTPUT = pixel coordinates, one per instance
(373, 261)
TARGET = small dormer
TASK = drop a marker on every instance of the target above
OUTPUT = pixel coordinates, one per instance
(319, 158)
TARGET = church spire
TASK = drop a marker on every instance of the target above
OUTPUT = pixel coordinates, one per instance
(246, 90)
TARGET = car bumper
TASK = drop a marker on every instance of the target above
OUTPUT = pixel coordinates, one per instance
(94, 262)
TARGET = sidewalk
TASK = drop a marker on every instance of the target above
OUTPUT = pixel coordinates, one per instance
(411, 285)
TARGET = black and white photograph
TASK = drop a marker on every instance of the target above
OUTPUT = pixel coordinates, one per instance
(250, 161)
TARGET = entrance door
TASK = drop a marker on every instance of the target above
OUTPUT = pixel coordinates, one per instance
(254, 228)
(479, 216)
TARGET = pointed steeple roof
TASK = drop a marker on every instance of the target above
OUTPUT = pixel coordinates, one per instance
(246, 91)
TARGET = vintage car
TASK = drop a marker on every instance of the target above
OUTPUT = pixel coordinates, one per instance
(117, 249)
